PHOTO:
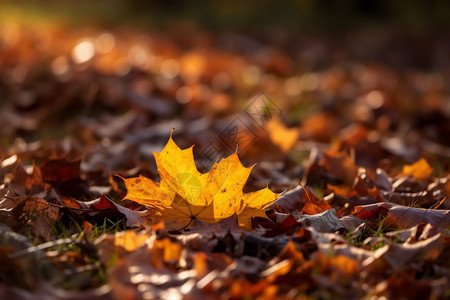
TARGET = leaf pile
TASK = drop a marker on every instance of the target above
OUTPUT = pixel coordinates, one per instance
(363, 132)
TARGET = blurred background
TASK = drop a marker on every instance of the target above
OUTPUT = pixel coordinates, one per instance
(105, 81)
(350, 98)
(313, 15)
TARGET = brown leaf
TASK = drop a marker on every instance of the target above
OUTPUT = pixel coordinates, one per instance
(60, 170)
(299, 201)
(23, 183)
(399, 255)
(106, 208)
(406, 217)
(326, 221)
(340, 166)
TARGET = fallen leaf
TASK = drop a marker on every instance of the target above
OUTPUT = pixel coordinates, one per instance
(402, 284)
(184, 194)
(320, 126)
(280, 135)
(403, 217)
(24, 183)
(406, 217)
(397, 255)
(326, 221)
(107, 208)
(371, 211)
(300, 200)
(419, 170)
(60, 170)
(112, 245)
(340, 166)
(350, 222)
(156, 269)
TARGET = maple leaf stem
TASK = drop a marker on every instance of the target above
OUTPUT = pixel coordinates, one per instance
(187, 225)
(306, 191)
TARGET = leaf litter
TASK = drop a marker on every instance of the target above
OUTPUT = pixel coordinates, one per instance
(370, 218)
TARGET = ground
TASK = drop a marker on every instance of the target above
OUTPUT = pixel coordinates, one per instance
(350, 129)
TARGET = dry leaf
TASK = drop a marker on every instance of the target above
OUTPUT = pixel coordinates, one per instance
(397, 255)
(299, 200)
(112, 245)
(419, 170)
(326, 221)
(280, 135)
(184, 194)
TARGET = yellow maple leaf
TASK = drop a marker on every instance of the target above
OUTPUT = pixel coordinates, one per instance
(184, 194)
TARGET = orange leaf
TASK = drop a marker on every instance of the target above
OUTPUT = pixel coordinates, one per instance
(418, 170)
(280, 135)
